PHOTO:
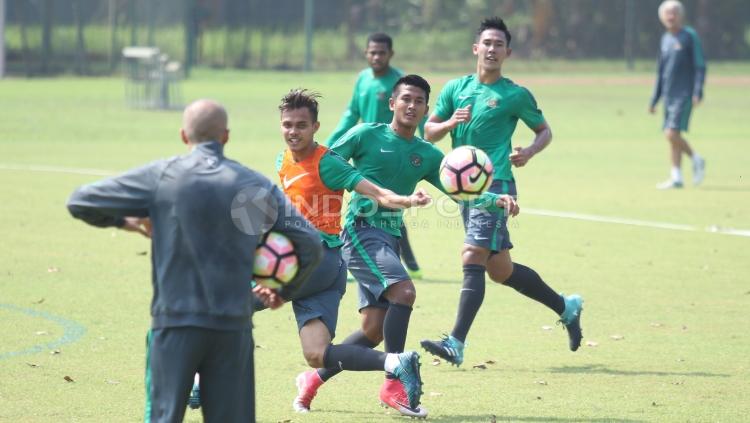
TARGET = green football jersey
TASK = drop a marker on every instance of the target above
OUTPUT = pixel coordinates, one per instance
(392, 162)
(369, 101)
(495, 111)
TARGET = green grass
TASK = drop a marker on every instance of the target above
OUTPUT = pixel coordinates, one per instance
(678, 299)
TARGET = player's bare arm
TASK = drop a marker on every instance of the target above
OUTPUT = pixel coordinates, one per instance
(389, 199)
(520, 155)
(436, 128)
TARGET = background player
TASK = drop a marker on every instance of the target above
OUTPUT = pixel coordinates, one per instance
(369, 104)
(482, 110)
(680, 74)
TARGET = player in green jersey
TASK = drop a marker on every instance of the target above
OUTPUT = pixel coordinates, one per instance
(390, 155)
(482, 110)
(369, 103)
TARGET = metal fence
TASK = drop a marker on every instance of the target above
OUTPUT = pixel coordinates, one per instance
(87, 36)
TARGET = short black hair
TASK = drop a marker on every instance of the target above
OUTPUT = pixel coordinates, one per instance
(299, 98)
(414, 81)
(380, 37)
(494, 23)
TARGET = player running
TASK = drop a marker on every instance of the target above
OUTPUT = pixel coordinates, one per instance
(391, 156)
(369, 104)
(482, 110)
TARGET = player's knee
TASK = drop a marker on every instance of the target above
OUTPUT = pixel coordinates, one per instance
(472, 254)
(402, 293)
(314, 357)
(500, 275)
(672, 135)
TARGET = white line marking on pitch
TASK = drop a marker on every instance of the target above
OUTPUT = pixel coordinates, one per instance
(537, 212)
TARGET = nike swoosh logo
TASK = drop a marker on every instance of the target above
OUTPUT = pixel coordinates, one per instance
(480, 238)
(289, 182)
(386, 151)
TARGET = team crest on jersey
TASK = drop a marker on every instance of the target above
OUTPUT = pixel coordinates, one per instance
(416, 160)
(492, 102)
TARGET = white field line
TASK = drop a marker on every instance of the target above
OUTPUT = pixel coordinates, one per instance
(537, 212)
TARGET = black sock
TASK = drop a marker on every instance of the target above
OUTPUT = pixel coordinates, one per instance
(395, 326)
(356, 338)
(405, 248)
(527, 282)
(353, 357)
(472, 295)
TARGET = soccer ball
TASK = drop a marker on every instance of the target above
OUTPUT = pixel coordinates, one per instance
(275, 261)
(465, 172)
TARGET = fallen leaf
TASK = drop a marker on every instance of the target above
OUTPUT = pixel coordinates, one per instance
(436, 394)
(285, 421)
(489, 362)
(436, 361)
(40, 332)
(684, 327)
(654, 403)
(113, 382)
(680, 359)
(258, 346)
(656, 325)
(546, 327)
(479, 366)
(678, 383)
(592, 344)
(53, 352)
(617, 337)
(538, 398)
(68, 379)
(53, 269)
(541, 382)
(34, 365)
(141, 253)
(38, 302)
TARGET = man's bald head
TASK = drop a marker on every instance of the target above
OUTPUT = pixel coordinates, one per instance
(204, 120)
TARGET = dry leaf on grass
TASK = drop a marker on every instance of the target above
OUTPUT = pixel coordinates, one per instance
(40, 332)
(656, 325)
(546, 327)
(34, 365)
(41, 300)
(436, 361)
(53, 269)
(479, 366)
(68, 379)
(541, 382)
(54, 352)
(617, 337)
(592, 344)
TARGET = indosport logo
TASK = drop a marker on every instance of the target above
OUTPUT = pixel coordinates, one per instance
(254, 210)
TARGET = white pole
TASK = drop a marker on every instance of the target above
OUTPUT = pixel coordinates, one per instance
(2, 38)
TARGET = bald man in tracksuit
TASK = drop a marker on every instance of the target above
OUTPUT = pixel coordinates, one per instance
(207, 214)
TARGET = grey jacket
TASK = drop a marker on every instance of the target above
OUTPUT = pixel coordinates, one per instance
(208, 214)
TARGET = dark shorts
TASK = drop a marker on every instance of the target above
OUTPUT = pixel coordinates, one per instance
(320, 296)
(372, 256)
(677, 113)
(224, 360)
(489, 229)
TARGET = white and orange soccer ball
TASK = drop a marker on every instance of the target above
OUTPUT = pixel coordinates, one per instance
(276, 262)
(466, 172)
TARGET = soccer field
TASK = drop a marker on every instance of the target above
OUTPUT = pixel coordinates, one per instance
(664, 274)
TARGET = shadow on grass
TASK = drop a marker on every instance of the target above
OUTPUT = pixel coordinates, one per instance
(599, 369)
(494, 418)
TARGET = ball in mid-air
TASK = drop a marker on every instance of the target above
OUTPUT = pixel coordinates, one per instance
(466, 172)
(276, 262)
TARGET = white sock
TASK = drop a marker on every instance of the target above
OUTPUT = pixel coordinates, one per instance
(676, 174)
(696, 157)
(391, 362)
